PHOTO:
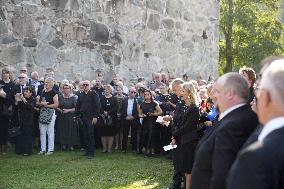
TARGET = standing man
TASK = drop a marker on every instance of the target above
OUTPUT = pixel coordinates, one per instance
(88, 108)
(129, 113)
(260, 165)
(215, 155)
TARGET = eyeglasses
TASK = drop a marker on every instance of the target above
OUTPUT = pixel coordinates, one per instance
(23, 70)
(85, 84)
(133, 92)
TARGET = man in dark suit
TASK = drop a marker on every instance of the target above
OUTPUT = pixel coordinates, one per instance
(215, 155)
(129, 113)
(261, 164)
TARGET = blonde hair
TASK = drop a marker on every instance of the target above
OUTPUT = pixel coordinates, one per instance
(190, 90)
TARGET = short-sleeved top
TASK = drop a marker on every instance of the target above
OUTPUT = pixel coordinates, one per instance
(148, 107)
(48, 96)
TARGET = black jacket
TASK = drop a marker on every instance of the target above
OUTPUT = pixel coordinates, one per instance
(260, 165)
(187, 131)
(124, 108)
(217, 153)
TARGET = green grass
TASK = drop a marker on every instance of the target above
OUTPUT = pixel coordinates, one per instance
(71, 170)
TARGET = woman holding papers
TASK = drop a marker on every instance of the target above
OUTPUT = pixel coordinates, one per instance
(185, 133)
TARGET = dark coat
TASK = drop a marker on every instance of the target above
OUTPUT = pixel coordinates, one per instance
(260, 165)
(216, 154)
(124, 108)
(187, 131)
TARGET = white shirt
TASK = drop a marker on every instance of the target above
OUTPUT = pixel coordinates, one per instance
(272, 125)
(226, 112)
(130, 106)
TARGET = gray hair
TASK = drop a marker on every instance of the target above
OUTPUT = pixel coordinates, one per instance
(273, 79)
(237, 83)
(177, 81)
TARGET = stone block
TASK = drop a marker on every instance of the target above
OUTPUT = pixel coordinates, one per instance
(3, 28)
(154, 22)
(157, 5)
(187, 44)
(29, 42)
(99, 33)
(23, 26)
(45, 56)
(7, 40)
(12, 55)
(57, 43)
(168, 23)
(57, 4)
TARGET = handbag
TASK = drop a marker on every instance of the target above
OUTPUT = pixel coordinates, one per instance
(107, 120)
(45, 115)
(14, 131)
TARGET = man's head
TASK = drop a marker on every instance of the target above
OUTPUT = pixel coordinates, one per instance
(34, 76)
(230, 89)
(132, 92)
(86, 85)
(249, 75)
(270, 94)
(157, 78)
(23, 69)
(23, 78)
(175, 86)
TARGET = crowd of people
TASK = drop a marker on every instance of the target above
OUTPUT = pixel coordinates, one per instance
(227, 132)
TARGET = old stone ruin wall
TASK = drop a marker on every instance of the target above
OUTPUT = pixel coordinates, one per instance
(80, 38)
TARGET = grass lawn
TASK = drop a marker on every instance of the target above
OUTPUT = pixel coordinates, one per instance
(71, 170)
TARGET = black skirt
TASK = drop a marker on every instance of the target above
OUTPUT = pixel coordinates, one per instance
(187, 156)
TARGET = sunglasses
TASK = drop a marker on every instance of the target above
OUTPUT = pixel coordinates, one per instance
(21, 77)
(85, 84)
(133, 92)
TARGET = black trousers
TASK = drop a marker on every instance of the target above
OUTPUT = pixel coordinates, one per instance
(4, 125)
(89, 135)
(126, 127)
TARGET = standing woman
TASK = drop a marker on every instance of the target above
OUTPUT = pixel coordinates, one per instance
(6, 102)
(108, 115)
(24, 108)
(149, 110)
(48, 100)
(185, 134)
(119, 135)
(67, 130)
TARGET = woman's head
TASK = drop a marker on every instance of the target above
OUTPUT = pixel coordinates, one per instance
(119, 90)
(67, 88)
(28, 91)
(188, 92)
(49, 83)
(6, 74)
(148, 95)
(108, 89)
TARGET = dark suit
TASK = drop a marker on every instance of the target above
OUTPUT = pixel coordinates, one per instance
(260, 165)
(127, 124)
(217, 153)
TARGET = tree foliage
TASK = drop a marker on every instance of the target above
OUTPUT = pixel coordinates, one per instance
(254, 30)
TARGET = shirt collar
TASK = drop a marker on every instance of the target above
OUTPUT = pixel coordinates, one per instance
(229, 110)
(272, 125)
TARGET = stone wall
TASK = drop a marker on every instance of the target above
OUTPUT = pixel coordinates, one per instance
(79, 38)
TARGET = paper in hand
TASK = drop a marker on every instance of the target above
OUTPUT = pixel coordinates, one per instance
(169, 147)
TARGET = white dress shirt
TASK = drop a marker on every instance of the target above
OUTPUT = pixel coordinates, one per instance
(130, 106)
(272, 125)
(226, 112)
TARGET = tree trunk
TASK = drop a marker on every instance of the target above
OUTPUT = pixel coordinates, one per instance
(228, 37)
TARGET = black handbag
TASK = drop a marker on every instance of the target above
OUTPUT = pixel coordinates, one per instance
(14, 131)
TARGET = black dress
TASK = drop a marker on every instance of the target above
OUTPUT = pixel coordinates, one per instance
(5, 115)
(67, 132)
(187, 137)
(24, 112)
(149, 131)
(109, 105)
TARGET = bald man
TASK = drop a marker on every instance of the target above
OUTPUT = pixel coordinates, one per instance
(215, 155)
(261, 164)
